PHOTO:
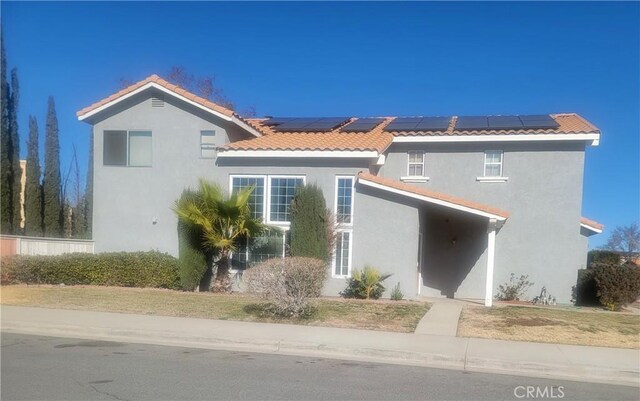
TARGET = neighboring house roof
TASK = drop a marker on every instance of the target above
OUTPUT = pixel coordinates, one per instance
(155, 81)
(371, 143)
(423, 194)
(591, 225)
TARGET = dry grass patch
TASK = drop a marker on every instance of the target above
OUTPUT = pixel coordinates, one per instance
(552, 325)
(401, 316)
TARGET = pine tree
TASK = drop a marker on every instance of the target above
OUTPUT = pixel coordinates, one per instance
(52, 218)
(6, 197)
(33, 189)
(88, 193)
(309, 223)
(16, 170)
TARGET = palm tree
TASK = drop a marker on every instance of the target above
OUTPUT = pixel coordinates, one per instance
(223, 221)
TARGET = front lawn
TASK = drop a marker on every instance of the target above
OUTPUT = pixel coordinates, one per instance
(399, 316)
(551, 325)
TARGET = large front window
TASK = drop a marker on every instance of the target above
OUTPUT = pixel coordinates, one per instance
(282, 190)
(256, 200)
(127, 148)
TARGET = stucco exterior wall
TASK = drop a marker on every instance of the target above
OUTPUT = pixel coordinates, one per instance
(543, 195)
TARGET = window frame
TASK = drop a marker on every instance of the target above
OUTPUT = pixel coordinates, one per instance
(127, 154)
(501, 164)
(264, 201)
(410, 163)
(335, 199)
(204, 146)
(286, 224)
(349, 258)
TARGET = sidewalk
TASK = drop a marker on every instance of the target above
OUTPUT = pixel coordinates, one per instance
(594, 364)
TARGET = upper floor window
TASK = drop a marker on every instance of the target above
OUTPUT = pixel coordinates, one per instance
(127, 148)
(344, 200)
(207, 144)
(493, 163)
(282, 190)
(256, 200)
(416, 164)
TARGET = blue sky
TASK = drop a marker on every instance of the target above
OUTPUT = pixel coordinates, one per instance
(353, 59)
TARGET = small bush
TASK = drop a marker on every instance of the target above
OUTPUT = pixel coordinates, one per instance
(124, 269)
(585, 292)
(600, 256)
(618, 285)
(365, 284)
(514, 289)
(287, 284)
(396, 293)
(192, 262)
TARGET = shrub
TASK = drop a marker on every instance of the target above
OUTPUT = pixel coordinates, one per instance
(618, 285)
(599, 256)
(514, 289)
(192, 262)
(365, 284)
(585, 292)
(125, 269)
(396, 293)
(309, 222)
(287, 284)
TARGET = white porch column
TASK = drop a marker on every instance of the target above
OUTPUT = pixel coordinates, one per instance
(491, 253)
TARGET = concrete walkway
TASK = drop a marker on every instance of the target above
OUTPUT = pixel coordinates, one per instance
(595, 364)
(441, 319)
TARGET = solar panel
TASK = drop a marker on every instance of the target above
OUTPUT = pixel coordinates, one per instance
(403, 124)
(311, 124)
(434, 124)
(362, 125)
(472, 122)
(538, 121)
(277, 120)
(504, 122)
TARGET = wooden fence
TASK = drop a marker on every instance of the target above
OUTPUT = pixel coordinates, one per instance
(18, 245)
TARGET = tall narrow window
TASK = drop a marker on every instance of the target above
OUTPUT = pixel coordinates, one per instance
(493, 163)
(342, 257)
(256, 200)
(207, 144)
(344, 200)
(140, 148)
(282, 191)
(416, 164)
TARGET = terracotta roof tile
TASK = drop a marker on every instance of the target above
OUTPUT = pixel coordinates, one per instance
(431, 194)
(569, 123)
(159, 81)
(591, 223)
(335, 140)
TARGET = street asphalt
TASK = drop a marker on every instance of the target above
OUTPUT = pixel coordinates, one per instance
(48, 368)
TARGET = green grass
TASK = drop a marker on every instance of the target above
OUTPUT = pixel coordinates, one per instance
(400, 316)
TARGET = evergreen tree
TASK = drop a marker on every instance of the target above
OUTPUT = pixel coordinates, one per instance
(52, 218)
(33, 189)
(6, 197)
(16, 170)
(88, 193)
(309, 217)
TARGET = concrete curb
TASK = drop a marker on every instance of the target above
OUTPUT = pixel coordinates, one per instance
(613, 366)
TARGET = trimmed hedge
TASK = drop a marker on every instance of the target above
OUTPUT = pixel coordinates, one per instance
(586, 290)
(617, 286)
(124, 269)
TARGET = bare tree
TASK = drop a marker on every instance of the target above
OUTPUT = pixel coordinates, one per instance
(625, 239)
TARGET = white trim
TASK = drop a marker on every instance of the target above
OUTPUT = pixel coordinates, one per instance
(432, 200)
(588, 227)
(492, 179)
(144, 87)
(409, 163)
(335, 198)
(594, 138)
(246, 126)
(381, 160)
(350, 259)
(414, 179)
(491, 253)
(297, 153)
(285, 224)
(500, 163)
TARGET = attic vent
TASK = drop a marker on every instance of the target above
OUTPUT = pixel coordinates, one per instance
(157, 102)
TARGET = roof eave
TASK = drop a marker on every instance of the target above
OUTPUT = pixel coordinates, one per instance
(257, 153)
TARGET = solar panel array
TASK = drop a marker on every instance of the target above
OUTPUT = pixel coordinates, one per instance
(299, 124)
(506, 122)
(362, 125)
(419, 124)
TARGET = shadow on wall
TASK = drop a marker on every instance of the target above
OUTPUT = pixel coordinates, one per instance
(453, 244)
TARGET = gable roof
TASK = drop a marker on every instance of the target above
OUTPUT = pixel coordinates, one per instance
(154, 81)
(431, 196)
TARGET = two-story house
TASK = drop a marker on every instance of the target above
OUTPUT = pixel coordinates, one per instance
(451, 206)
